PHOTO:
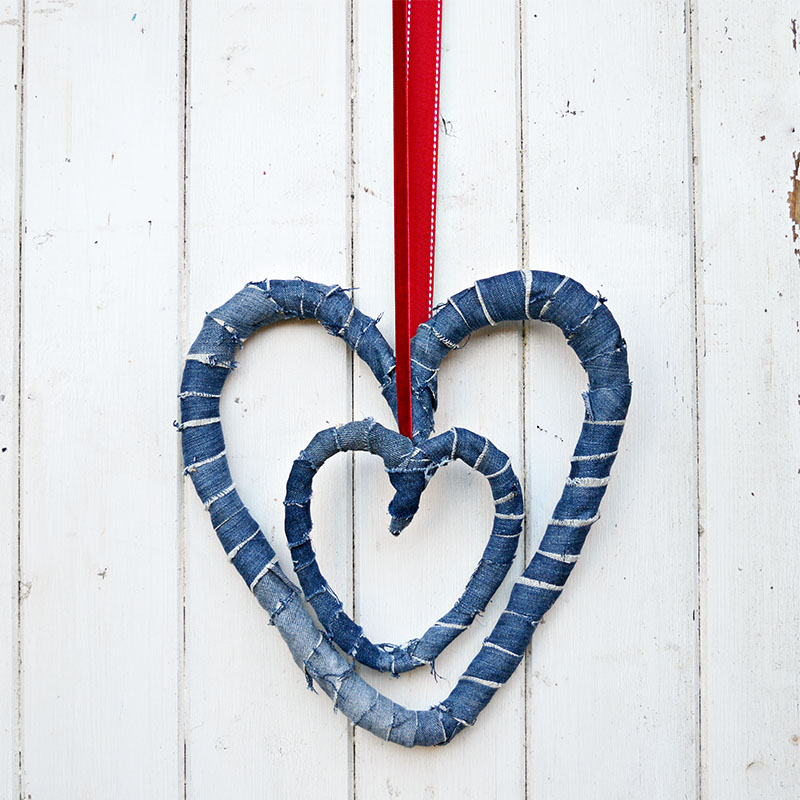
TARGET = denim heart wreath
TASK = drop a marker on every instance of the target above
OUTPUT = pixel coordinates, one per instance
(593, 334)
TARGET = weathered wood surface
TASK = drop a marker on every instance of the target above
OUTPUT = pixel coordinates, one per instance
(154, 158)
(9, 394)
(100, 632)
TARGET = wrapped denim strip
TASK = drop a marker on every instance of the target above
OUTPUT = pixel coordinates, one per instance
(583, 318)
(590, 330)
(410, 468)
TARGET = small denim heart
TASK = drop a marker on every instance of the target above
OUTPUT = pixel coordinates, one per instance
(592, 333)
(410, 468)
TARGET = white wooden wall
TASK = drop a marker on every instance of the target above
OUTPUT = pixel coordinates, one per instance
(155, 156)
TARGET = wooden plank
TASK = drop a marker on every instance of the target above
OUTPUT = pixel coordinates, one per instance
(747, 87)
(613, 672)
(10, 28)
(99, 456)
(268, 197)
(403, 585)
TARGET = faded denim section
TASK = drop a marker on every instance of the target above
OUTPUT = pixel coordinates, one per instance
(595, 337)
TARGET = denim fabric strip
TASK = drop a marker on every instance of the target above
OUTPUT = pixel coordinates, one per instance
(592, 333)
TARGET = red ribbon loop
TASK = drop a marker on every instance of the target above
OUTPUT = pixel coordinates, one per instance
(416, 37)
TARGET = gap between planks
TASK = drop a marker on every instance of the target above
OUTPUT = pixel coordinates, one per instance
(699, 348)
(183, 337)
(20, 223)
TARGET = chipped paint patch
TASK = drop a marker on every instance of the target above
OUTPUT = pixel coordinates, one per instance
(794, 204)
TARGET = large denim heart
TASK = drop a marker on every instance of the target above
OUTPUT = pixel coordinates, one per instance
(592, 333)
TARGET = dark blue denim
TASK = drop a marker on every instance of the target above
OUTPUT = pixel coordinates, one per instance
(592, 333)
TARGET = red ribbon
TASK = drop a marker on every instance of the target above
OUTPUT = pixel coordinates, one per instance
(416, 37)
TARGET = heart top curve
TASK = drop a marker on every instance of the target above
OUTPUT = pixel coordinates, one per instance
(592, 333)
